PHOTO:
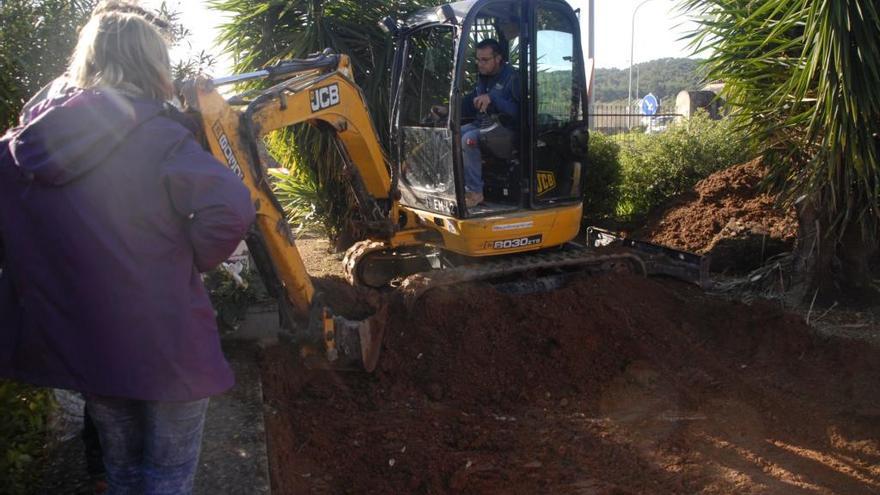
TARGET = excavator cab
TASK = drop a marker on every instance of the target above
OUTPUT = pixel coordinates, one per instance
(529, 161)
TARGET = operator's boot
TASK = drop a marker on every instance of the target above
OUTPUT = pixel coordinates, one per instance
(473, 198)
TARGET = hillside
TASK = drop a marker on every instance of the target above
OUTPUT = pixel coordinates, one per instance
(663, 77)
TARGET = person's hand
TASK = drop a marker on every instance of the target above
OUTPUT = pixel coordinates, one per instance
(482, 102)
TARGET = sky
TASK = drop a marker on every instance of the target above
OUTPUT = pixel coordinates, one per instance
(658, 27)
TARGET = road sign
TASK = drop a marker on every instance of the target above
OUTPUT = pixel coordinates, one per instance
(649, 104)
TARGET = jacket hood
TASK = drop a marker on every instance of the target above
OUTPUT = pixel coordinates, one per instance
(76, 132)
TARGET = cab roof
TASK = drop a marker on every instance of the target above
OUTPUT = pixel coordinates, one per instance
(450, 13)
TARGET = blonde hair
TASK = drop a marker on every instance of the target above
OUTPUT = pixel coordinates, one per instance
(121, 48)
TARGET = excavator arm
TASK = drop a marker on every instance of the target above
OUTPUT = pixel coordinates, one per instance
(319, 91)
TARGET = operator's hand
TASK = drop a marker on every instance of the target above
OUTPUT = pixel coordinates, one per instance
(482, 102)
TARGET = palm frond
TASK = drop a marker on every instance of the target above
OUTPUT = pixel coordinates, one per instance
(804, 77)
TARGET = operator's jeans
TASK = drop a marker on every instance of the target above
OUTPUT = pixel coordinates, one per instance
(150, 447)
(470, 152)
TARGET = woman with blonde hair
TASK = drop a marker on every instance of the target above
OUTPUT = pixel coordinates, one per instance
(109, 211)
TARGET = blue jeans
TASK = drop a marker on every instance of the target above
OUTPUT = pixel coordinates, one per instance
(150, 447)
(471, 159)
(89, 435)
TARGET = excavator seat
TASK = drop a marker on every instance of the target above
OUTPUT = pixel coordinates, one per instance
(500, 153)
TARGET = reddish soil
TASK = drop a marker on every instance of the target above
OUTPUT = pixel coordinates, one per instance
(726, 216)
(611, 385)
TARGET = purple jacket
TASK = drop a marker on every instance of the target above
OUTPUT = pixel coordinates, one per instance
(108, 212)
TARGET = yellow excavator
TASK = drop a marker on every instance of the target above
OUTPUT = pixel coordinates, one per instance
(420, 232)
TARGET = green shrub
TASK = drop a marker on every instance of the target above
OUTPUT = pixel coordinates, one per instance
(230, 299)
(24, 411)
(657, 167)
(602, 178)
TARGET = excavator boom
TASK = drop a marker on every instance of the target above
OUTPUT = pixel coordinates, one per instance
(318, 90)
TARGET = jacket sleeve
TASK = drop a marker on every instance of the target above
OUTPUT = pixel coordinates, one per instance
(468, 110)
(213, 201)
(506, 99)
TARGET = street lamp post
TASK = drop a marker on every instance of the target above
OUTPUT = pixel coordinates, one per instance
(638, 72)
(632, 39)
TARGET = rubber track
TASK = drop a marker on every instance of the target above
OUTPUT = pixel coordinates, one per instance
(357, 252)
(414, 286)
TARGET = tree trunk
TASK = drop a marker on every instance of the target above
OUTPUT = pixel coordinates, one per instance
(831, 268)
(346, 237)
(813, 256)
(856, 248)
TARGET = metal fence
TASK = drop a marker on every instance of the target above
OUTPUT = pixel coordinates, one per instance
(615, 119)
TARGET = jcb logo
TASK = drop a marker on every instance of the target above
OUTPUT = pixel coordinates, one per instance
(223, 141)
(325, 97)
(546, 181)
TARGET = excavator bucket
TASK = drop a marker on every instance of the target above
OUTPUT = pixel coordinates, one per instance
(336, 343)
(354, 344)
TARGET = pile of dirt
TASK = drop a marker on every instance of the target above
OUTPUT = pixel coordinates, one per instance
(611, 385)
(726, 217)
(354, 303)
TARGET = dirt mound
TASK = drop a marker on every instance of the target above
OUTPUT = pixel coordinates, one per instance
(725, 216)
(478, 346)
(350, 302)
(611, 385)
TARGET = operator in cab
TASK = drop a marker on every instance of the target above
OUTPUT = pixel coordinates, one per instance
(496, 95)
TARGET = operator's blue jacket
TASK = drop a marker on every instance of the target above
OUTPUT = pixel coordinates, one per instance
(503, 89)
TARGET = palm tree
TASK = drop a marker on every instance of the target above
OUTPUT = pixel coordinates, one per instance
(263, 32)
(804, 79)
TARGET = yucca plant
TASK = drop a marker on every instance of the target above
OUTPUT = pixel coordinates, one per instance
(263, 32)
(297, 191)
(804, 79)
(311, 188)
(300, 198)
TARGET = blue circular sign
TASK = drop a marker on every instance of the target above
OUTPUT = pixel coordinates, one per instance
(649, 105)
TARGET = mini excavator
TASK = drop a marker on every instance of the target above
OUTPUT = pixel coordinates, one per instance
(419, 231)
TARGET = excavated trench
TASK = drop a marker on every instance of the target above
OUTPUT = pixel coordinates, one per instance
(610, 385)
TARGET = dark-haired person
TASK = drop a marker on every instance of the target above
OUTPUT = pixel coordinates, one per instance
(497, 92)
